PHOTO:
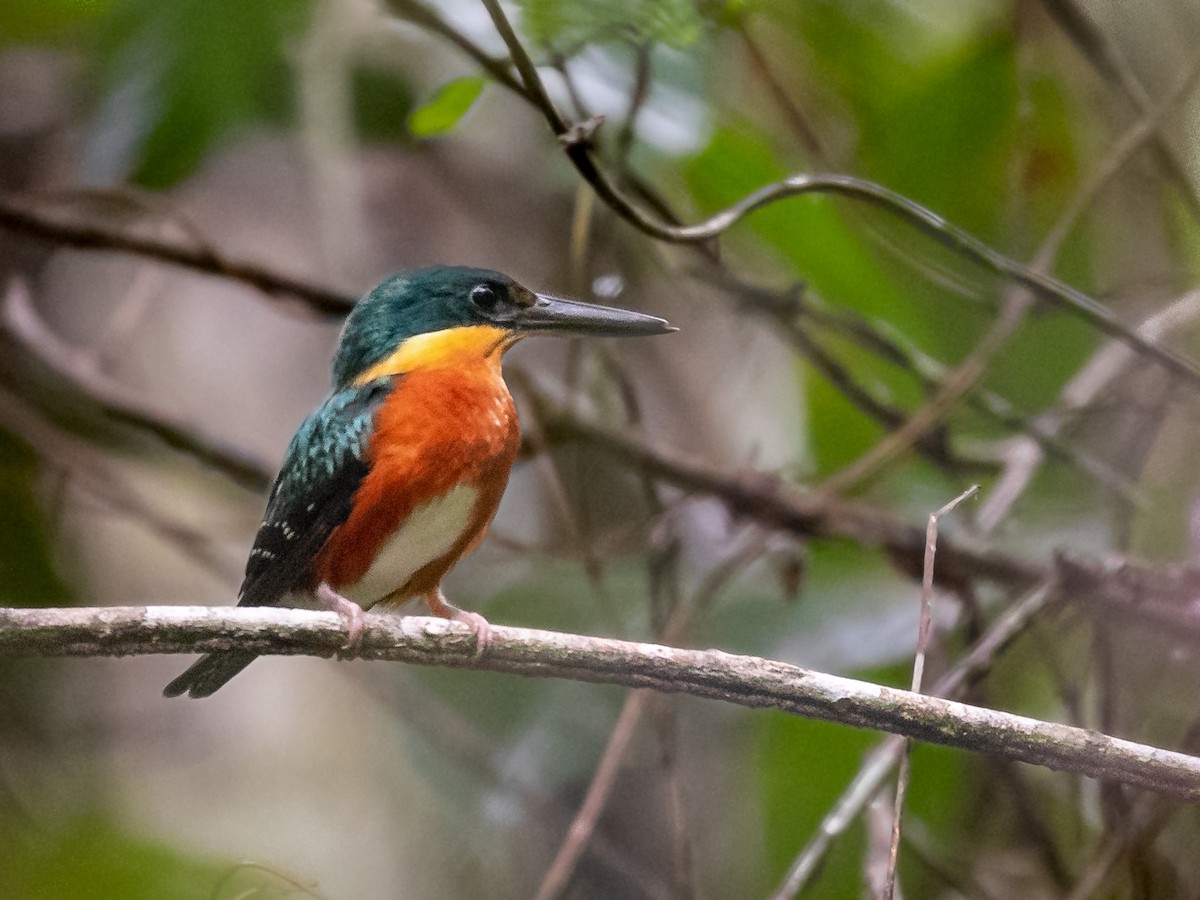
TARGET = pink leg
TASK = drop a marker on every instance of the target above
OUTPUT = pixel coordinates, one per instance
(350, 611)
(473, 620)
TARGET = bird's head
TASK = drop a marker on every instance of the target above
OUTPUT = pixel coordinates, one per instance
(447, 314)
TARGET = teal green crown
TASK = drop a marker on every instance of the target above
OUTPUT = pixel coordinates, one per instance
(412, 303)
(444, 297)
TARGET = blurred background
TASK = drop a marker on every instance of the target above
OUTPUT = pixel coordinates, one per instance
(144, 407)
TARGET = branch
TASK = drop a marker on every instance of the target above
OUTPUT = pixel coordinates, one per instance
(580, 153)
(1108, 61)
(423, 16)
(1110, 361)
(84, 401)
(878, 763)
(30, 362)
(772, 503)
(923, 635)
(34, 218)
(743, 680)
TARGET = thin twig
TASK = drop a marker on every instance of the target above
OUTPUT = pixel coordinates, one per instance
(771, 503)
(931, 537)
(1025, 457)
(557, 877)
(665, 714)
(923, 632)
(1104, 56)
(1016, 304)
(637, 100)
(878, 763)
(878, 821)
(80, 399)
(924, 220)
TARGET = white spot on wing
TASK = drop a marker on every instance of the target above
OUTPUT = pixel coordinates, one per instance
(425, 535)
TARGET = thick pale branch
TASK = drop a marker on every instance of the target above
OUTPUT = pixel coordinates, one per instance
(744, 680)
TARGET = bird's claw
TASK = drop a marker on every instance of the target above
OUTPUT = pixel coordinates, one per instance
(352, 614)
(479, 626)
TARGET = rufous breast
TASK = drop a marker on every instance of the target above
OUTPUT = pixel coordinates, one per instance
(440, 453)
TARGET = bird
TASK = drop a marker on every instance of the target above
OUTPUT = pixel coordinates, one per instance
(399, 472)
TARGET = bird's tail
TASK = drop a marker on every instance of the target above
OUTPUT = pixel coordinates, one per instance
(209, 673)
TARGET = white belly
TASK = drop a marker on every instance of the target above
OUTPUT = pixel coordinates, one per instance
(429, 533)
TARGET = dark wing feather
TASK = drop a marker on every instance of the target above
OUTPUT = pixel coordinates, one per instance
(312, 495)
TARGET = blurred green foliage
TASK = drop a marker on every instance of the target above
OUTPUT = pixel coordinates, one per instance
(569, 25)
(913, 94)
(44, 21)
(802, 767)
(192, 72)
(28, 572)
(91, 859)
(382, 105)
(913, 86)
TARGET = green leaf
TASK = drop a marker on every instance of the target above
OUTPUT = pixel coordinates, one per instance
(447, 106)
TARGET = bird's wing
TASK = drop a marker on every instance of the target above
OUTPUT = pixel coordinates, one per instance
(313, 492)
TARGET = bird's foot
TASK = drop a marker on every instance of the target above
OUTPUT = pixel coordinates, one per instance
(351, 613)
(479, 626)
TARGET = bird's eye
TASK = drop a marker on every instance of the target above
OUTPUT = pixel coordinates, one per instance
(485, 297)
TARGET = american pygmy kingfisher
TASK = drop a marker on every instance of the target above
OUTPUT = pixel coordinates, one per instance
(398, 474)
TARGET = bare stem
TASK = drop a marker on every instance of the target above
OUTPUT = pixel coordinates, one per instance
(878, 763)
(583, 826)
(923, 632)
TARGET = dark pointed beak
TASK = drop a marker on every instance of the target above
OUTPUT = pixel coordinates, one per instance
(556, 314)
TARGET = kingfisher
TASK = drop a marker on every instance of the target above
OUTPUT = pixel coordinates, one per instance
(398, 474)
